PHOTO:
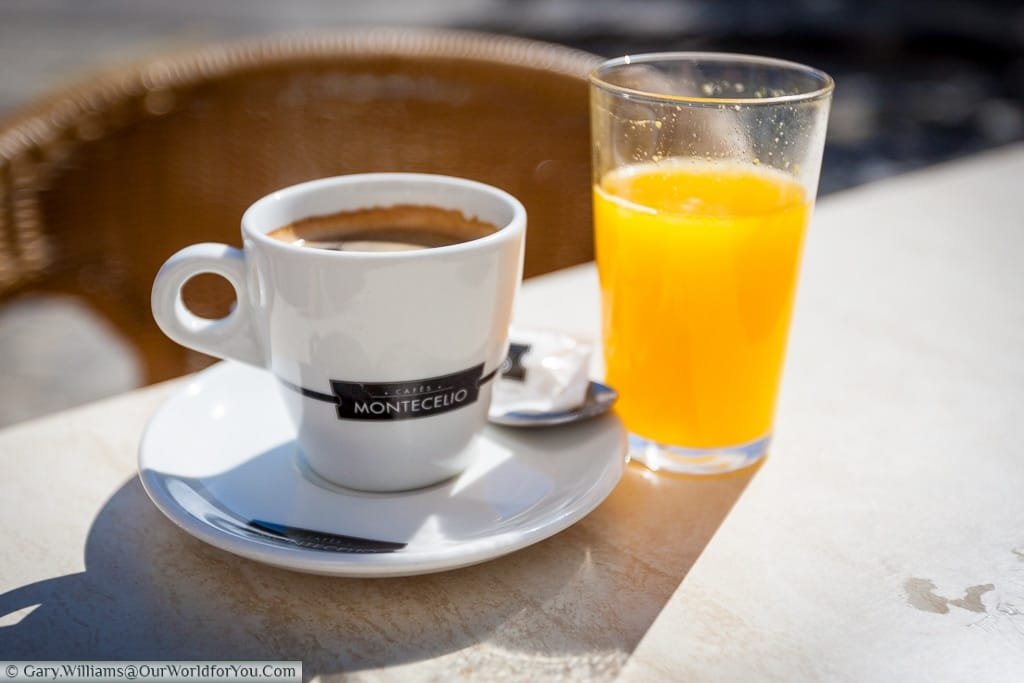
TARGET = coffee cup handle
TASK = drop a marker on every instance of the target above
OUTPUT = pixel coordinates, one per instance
(233, 336)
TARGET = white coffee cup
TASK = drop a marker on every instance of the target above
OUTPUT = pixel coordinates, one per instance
(384, 359)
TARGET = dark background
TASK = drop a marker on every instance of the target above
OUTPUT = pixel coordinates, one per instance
(917, 82)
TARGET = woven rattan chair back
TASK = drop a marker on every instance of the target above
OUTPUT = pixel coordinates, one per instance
(101, 182)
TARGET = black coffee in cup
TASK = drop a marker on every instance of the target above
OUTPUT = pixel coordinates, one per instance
(395, 228)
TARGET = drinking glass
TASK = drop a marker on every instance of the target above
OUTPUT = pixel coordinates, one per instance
(705, 171)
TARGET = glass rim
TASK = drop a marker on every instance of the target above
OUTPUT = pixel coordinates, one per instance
(824, 90)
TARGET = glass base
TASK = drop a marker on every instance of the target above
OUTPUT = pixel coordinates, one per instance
(661, 457)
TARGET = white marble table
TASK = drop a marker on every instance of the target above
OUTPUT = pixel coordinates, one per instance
(882, 540)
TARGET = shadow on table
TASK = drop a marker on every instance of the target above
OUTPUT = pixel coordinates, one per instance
(582, 599)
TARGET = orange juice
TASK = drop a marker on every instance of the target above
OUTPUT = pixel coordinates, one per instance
(698, 265)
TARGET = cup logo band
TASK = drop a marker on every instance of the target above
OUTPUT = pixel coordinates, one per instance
(389, 401)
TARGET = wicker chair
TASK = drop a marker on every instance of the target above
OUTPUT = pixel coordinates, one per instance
(100, 183)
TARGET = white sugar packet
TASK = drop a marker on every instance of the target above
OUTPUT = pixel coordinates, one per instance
(545, 372)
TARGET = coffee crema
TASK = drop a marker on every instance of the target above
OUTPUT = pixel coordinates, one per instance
(404, 227)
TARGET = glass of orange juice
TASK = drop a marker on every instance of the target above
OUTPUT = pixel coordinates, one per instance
(705, 171)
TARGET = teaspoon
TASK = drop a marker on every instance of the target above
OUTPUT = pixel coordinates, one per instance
(598, 400)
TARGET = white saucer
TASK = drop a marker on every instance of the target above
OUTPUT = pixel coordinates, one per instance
(221, 453)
